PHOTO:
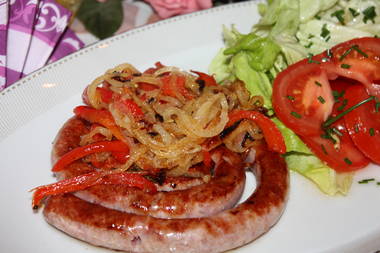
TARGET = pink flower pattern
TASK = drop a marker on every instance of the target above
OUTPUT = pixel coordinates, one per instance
(169, 8)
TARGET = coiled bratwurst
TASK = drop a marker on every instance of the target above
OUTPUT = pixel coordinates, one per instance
(155, 162)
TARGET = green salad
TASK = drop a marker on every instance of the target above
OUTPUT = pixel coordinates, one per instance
(288, 31)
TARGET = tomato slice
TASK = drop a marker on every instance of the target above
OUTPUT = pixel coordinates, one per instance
(363, 123)
(343, 155)
(302, 97)
(346, 158)
(357, 59)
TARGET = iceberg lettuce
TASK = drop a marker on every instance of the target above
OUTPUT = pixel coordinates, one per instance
(288, 31)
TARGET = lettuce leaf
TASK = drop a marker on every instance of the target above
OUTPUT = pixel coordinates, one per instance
(288, 31)
(256, 82)
(328, 181)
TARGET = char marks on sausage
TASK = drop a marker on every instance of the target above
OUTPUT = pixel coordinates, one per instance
(142, 233)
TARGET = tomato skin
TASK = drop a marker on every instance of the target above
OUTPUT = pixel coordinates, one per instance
(296, 94)
(357, 59)
(353, 66)
(337, 159)
(363, 123)
(348, 157)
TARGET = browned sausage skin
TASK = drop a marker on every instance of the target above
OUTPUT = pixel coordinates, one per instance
(190, 199)
(135, 233)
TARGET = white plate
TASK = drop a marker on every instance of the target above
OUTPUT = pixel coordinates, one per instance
(33, 109)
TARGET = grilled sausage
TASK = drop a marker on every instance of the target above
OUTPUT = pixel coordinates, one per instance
(143, 233)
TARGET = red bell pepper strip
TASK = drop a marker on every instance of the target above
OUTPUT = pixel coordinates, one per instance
(152, 70)
(128, 106)
(102, 117)
(84, 181)
(208, 79)
(272, 135)
(206, 158)
(147, 86)
(121, 156)
(105, 94)
(79, 152)
(171, 84)
(167, 87)
(180, 82)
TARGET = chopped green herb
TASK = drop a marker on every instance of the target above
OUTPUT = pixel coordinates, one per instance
(327, 134)
(330, 121)
(354, 47)
(356, 128)
(318, 17)
(366, 181)
(318, 83)
(310, 59)
(339, 15)
(348, 161)
(335, 130)
(324, 32)
(357, 49)
(309, 45)
(338, 95)
(354, 13)
(346, 53)
(324, 149)
(369, 14)
(378, 183)
(290, 97)
(310, 36)
(322, 100)
(341, 107)
(296, 115)
(377, 105)
(371, 131)
(345, 66)
(328, 38)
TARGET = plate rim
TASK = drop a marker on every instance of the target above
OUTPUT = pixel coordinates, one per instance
(95, 46)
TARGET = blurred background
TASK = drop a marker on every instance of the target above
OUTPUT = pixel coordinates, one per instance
(34, 33)
(103, 18)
